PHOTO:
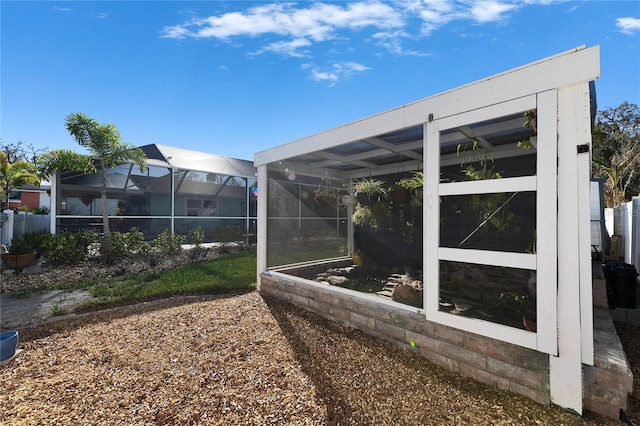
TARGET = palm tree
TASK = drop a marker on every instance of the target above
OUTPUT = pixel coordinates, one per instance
(14, 175)
(106, 150)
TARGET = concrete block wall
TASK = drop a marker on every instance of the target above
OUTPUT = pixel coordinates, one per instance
(607, 384)
(498, 364)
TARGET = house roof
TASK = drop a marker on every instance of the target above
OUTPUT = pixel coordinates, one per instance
(125, 177)
(186, 159)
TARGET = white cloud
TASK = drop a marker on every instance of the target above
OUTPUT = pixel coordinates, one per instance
(297, 29)
(544, 2)
(490, 11)
(318, 75)
(63, 9)
(338, 71)
(292, 48)
(628, 25)
(102, 15)
(293, 31)
(392, 41)
(319, 22)
(433, 13)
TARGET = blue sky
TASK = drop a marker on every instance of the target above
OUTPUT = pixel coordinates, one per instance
(236, 77)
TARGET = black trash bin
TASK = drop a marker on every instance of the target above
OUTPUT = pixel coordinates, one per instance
(621, 284)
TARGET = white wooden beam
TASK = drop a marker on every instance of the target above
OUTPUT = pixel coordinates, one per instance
(399, 149)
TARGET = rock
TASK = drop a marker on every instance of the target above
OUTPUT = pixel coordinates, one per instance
(411, 272)
(409, 293)
(337, 280)
(36, 268)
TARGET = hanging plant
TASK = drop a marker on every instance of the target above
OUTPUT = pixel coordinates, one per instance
(369, 191)
(415, 184)
(399, 195)
(374, 216)
(323, 195)
(349, 200)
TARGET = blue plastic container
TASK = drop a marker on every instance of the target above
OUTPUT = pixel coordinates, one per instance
(8, 344)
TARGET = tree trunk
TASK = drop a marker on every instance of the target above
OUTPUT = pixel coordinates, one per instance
(106, 247)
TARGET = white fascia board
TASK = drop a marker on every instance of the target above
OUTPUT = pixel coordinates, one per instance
(571, 67)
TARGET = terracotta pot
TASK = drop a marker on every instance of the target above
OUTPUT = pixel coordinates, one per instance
(18, 262)
(529, 324)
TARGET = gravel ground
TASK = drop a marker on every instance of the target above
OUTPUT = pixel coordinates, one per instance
(242, 359)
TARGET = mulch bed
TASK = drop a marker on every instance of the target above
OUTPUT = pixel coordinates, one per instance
(245, 359)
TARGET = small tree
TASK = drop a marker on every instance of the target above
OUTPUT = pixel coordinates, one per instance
(616, 152)
(14, 175)
(21, 151)
(106, 150)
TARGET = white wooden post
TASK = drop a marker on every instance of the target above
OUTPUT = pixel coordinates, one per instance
(547, 221)
(573, 129)
(584, 240)
(261, 250)
(635, 233)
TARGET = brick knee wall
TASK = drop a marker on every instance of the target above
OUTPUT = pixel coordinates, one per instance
(607, 384)
(498, 364)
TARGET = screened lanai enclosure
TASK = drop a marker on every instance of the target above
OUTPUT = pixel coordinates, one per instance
(456, 226)
(313, 222)
(179, 191)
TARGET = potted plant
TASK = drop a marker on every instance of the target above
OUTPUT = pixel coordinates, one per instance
(369, 191)
(323, 195)
(399, 194)
(375, 215)
(349, 200)
(415, 184)
(20, 255)
(522, 305)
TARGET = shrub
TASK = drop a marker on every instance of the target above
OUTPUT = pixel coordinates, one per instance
(167, 243)
(41, 210)
(69, 247)
(129, 244)
(195, 238)
(36, 241)
(228, 233)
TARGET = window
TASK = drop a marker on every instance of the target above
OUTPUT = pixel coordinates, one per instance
(200, 207)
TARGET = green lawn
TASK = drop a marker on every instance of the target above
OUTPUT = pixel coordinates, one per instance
(231, 273)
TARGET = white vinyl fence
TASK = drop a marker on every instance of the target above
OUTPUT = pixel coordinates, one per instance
(624, 220)
(17, 225)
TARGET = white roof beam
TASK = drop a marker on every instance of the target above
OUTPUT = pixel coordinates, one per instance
(399, 149)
